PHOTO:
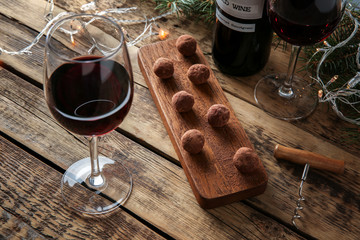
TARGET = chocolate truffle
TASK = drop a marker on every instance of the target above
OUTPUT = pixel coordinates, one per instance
(186, 45)
(183, 101)
(246, 160)
(198, 73)
(193, 141)
(163, 67)
(218, 115)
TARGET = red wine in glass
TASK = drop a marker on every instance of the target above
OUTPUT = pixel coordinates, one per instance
(88, 86)
(301, 23)
(305, 22)
(90, 97)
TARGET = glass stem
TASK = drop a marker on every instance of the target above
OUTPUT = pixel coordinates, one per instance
(96, 179)
(286, 89)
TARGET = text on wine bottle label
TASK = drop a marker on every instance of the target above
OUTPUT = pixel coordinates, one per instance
(240, 27)
(244, 9)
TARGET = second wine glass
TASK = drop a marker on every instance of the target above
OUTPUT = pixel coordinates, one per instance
(301, 23)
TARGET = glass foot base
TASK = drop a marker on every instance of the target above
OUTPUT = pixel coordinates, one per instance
(300, 104)
(112, 190)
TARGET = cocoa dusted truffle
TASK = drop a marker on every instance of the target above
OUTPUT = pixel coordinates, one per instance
(163, 67)
(183, 101)
(198, 73)
(193, 141)
(246, 160)
(186, 45)
(218, 115)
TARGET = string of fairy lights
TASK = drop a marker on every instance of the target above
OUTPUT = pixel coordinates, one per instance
(347, 94)
(151, 28)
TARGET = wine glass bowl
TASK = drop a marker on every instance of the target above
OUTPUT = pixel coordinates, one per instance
(305, 22)
(301, 23)
(89, 89)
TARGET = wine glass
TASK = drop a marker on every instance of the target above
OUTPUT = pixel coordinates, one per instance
(89, 90)
(301, 23)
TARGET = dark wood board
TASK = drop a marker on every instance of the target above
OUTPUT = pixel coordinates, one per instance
(214, 179)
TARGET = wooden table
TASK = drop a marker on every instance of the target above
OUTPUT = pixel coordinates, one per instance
(35, 150)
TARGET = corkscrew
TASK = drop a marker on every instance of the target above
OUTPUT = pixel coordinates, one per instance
(309, 159)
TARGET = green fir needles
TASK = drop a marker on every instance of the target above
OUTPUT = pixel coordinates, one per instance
(200, 10)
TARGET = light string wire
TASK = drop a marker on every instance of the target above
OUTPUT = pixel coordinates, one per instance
(48, 17)
(347, 92)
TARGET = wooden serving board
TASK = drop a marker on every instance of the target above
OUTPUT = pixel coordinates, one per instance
(214, 179)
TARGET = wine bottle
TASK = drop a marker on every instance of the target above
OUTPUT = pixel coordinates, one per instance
(242, 36)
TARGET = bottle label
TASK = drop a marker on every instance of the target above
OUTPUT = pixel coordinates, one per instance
(240, 27)
(244, 9)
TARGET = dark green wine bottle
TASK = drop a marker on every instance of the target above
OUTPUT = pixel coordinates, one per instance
(242, 36)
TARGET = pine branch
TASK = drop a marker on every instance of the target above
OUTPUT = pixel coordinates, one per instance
(193, 9)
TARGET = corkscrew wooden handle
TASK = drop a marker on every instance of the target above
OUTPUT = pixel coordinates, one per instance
(315, 160)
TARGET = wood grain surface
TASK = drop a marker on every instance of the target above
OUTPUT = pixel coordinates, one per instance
(29, 213)
(212, 175)
(162, 196)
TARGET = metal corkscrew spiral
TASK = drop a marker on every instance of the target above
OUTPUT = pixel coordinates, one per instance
(316, 161)
(301, 197)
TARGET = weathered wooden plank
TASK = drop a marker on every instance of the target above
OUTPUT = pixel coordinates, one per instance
(264, 133)
(30, 191)
(161, 193)
(13, 227)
